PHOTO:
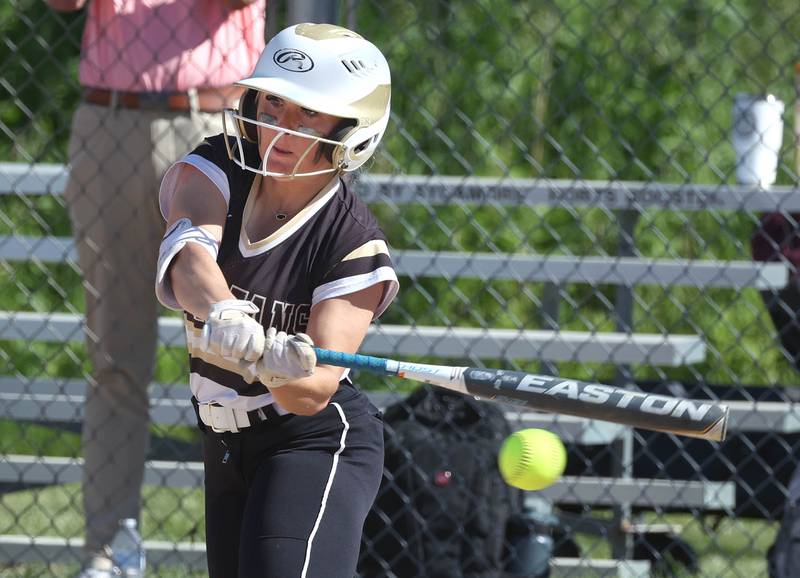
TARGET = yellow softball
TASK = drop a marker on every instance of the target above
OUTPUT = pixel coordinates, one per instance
(532, 459)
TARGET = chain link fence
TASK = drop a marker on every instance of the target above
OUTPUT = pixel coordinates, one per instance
(561, 187)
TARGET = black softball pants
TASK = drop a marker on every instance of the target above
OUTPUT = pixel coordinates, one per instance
(289, 499)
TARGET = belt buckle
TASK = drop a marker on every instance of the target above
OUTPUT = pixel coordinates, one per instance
(154, 100)
(214, 424)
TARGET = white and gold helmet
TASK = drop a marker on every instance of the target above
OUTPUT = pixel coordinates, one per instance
(323, 68)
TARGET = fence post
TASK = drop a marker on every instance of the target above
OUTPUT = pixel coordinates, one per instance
(550, 303)
(622, 449)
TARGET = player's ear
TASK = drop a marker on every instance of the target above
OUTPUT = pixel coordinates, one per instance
(248, 107)
(338, 133)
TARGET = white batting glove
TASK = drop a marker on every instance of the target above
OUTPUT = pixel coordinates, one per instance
(230, 332)
(285, 357)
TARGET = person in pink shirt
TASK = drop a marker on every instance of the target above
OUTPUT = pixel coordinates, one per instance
(155, 75)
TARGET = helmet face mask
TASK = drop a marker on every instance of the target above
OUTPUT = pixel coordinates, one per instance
(322, 68)
(241, 126)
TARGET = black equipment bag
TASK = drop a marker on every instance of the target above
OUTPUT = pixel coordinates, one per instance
(443, 507)
(783, 557)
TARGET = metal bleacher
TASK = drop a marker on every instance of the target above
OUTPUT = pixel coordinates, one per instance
(61, 400)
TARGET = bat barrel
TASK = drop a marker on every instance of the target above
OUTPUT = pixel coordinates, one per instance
(693, 418)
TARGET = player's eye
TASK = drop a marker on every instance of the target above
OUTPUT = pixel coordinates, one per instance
(310, 113)
(267, 118)
(309, 131)
(274, 100)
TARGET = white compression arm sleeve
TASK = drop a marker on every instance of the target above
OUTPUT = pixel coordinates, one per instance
(175, 239)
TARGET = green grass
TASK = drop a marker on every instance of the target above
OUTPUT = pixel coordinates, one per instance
(18, 437)
(34, 439)
(170, 514)
(733, 548)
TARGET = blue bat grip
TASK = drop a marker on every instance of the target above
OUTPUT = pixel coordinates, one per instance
(352, 360)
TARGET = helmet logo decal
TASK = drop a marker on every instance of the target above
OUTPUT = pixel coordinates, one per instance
(293, 60)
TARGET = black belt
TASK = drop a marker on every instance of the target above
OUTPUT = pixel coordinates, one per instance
(265, 413)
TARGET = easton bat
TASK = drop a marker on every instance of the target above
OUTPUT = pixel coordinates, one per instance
(686, 417)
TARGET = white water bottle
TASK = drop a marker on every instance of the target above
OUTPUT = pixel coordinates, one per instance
(127, 550)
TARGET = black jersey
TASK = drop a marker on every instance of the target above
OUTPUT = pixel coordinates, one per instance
(333, 247)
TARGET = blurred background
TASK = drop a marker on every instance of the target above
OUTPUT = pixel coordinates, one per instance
(559, 184)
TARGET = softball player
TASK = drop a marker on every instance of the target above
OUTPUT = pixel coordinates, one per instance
(268, 252)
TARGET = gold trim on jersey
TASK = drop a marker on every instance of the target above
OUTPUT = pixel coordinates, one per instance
(368, 249)
(250, 249)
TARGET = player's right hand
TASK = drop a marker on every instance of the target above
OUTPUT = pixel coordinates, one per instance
(231, 332)
(286, 357)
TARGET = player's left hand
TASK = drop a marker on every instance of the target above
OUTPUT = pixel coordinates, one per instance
(286, 357)
(231, 332)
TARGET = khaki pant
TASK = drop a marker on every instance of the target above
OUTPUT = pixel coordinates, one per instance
(117, 159)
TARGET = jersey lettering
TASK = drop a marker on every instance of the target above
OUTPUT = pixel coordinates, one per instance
(290, 317)
(282, 315)
(303, 311)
